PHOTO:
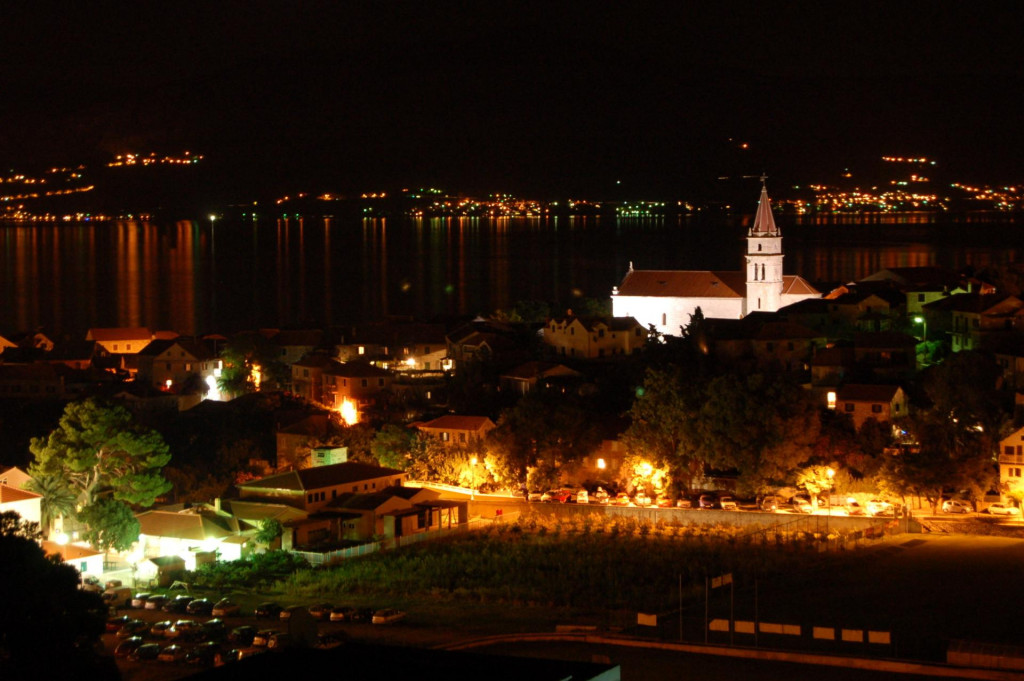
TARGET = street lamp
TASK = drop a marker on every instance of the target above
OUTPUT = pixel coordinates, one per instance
(920, 319)
(831, 474)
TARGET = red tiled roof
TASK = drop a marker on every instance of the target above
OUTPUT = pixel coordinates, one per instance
(119, 334)
(458, 422)
(793, 284)
(9, 494)
(683, 284)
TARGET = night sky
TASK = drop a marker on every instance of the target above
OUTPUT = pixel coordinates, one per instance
(524, 97)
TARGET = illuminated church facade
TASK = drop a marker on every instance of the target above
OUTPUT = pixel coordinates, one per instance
(666, 299)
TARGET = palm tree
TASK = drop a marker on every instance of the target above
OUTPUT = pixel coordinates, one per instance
(58, 499)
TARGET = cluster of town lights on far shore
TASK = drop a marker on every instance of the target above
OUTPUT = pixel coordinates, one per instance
(153, 158)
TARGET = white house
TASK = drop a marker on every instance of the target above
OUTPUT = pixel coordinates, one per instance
(666, 299)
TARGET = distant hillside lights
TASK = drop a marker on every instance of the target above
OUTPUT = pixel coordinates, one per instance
(123, 160)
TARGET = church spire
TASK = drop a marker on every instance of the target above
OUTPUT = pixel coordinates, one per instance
(764, 223)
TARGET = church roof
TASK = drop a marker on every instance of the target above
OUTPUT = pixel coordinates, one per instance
(683, 284)
(764, 223)
(793, 284)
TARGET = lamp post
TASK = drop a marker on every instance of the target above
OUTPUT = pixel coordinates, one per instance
(920, 319)
(828, 520)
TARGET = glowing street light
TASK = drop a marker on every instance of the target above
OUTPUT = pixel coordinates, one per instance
(920, 319)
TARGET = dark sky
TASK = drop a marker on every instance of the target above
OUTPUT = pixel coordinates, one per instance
(515, 96)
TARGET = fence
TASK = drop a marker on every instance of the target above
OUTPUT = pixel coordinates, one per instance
(318, 558)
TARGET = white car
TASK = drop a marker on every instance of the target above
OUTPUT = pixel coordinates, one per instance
(387, 616)
(728, 504)
(956, 506)
(879, 507)
(1003, 509)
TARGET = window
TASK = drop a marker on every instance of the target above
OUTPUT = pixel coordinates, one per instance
(462, 437)
(115, 347)
(572, 331)
(168, 366)
(380, 382)
(309, 498)
(920, 297)
(600, 333)
(876, 409)
(362, 350)
(664, 319)
(850, 406)
(444, 436)
(305, 373)
(364, 383)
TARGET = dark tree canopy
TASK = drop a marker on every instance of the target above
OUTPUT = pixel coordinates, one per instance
(49, 628)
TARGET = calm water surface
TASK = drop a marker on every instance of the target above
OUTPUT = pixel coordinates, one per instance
(198, 277)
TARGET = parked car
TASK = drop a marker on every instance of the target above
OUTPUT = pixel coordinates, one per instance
(172, 653)
(128, 646)
(534, 495)
(118, 597)
(225, 607)
(1002, 509)
(683, 502)
(622, 499)
(801, 503)
(115, 623)
(957, 506)
(600, 496)
(279, 640)
(878, 507)
(132, 628)
(327, 640)
(641, 499)
(112, 584)
(771, 503)
(90, 583)
(362, 615)
(320, 611)
(186, 630)
(203, 654)
(341, 613)
(268, 609)
(139, 600)
(178, 604)
(728, 504)
(262, 637)
(200, 606)
(387, 616)
(214, 630)
(707, 501)
(853, 507)
(156, 602)
(147, 651)
(160, 629)
(242, 636)
(560, 496)
(583, 497)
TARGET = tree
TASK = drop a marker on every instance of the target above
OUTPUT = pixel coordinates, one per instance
(48, 626)
(763, 425)
(270, 530)
(58, 500)
(663, 424)
(110, 524)
(816, 480)
(251, 362)
(103, 455)
(392, 446)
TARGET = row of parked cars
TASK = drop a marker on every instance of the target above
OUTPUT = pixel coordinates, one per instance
(332, 613)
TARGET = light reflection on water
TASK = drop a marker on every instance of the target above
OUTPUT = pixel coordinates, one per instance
(195, 277)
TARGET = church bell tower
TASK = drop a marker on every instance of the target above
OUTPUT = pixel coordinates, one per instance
(764, 260)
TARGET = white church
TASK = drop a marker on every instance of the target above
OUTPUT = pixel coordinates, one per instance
(665, 299)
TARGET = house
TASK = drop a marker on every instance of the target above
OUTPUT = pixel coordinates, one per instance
(357, 383)
(594, 337)
(764, 340)
(14, 477)
(525, 377)
(487, 340)
(668, 299)
(307, 376)
(35, 381)
(24, 503)
(978, 320)
(453, 429)
(121, 340)
(176, 364)
(857, 308)
(195, 536)
(392, 512)
(85, 559)
(887, 355)
(78, 355)
(879, 402)
(1011, 463)
(294, 344)
(920, 285)
(311, 489)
